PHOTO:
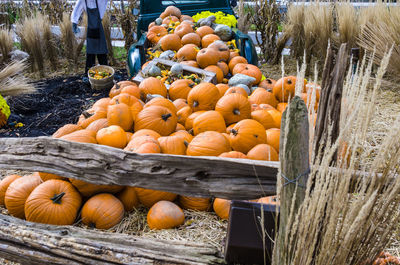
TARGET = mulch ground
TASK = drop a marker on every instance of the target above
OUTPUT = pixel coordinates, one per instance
(57, 102)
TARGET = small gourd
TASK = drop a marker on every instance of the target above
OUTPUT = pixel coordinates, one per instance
(206, 21)
(158, 21)
(241, 79)
(154, 71)
(167, 55)
(223, 31)
(176, 69)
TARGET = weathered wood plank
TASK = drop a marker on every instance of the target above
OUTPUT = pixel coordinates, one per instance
(32, 243)
(195, 176)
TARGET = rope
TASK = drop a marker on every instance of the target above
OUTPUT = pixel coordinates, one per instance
(295, 180)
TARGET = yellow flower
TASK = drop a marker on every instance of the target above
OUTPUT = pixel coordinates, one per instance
(4, 109)
(19, 124)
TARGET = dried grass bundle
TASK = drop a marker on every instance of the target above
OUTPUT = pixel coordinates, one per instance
(107, 32)
(126, 19)
(348, 25)
(342, 221)
(12, 81)
(293, 26)
(6, 44)
(51, 51)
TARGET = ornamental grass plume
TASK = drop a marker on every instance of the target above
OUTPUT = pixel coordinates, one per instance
(12, 81)
(349, 218)
(6, 44)
(348, 25)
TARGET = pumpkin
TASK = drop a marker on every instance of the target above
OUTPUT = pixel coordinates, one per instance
(190, 119)
(263, 117)
(190, 63)
(146, 132)
(124, 98)
(248, 69)
(222, 89)
(277, 116)
(222, 207)
(88, 116)
(195, 203)
(113, 136)
(149, 197)
(183, 114)
(187, 52)
(97, 125)
(208, 144)
(237, 89)
(206, 57)
(268, 84)
(174, 145)
(204, 96)
(233, 107)
(261, 106)
(309, 87)
(183, 29)
(236, 60)
(209, 121)
(162, 102)
(102, 211)
(224, 67)
(233, 54)
(128, 136)
(152, 85)
(156, 118)
(180, 102)
(281, 107)
(285, 88)
(165, 215)
(116, 89)
(47, 176)
(66, 129)
(101, 104)
(273, 138)
(171, 11)
(230, 127)
(233, 154)
(208, 39)
(120, 114)
(180, 89)
(307, 100)
(262, 96)
(191, 38)
(152, 24)
(183, 134)
(221, 47)
(186, 18)
(87, 189)
(170, 20)
(128, 198)
(155, 33)
(246, 134)
(204, 30)
(218, 72)
(17, 193)
(170, 42)
(269, 200)
(53, 202)
(131, 90)
(263, 152)
(143, 145)
(179, 127)
(4, 183)
(81, 136)
(135, 109)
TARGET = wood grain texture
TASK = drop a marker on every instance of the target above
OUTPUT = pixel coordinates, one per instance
(192, 176)
(32, 243)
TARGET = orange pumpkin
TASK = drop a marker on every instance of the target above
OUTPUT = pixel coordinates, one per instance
(187, 52)
(120, 114)
(171, 11)
(277, 116)
(170, 42)
(179, 127)
(222, 89)
(173, 145)
(53, 202)
(101, 104)
(180, 89)
(233, 54)
(246, 134)
(183, 114)
(87, 189)
(233, 107)
(165, 215)
(184, 134)
(66, 129)
(208, 39)
(262, 96)
(209, 121)
(17, 193)
(261, 106)
(128, 198)
(273, 138)
(281, 107)
(236, 60)
(149, 197)
(249, 70)
(152, 24)
(81, 136)
(285, 88)
(97, 125)
(220, 46)
(206, 57)
(237, 89)
(47, 176)
(162, 102)
(102, 211)
(180, 102)
(155, 33)
(204, 96)
(208, 144)
(128, 136)
(222, 207)
(125, 98)
(183, 29)
(186, 18)
(89, 116)
(233, 154)
(268, 84)
(269, 200)
(263, 152)
(5, 182)
(230, 127)
(135, 109)
(224, 67)
(263, 117)
(131, 90)
(152, 85)
(218, 72)
(113, 136)
(146, 132)
(204, 30)
(191, 38)
(307, 100)
(309, 87)
(156, 118)
(190, 63)
(143, 145)
(190, 119)
(116, 89)
(195, 203)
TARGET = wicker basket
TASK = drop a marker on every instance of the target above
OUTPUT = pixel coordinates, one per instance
(104, 83)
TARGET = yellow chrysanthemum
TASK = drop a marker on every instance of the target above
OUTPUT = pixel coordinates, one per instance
(221, 18)
(4, 111)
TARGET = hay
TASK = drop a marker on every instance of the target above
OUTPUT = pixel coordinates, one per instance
(12, 81)
(6, 44)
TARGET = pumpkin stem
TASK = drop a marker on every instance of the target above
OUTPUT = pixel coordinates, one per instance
(92, 225)
(269, 81)
(289, 81)
(191, 85)
(116, 101)
(57, 198)
(86, 114)
(236, 112)
(234, 132)
(195, 103)
(185, 143)
(166, 116)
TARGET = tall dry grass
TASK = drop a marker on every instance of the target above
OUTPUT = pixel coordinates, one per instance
(6, 44)
(342, 221)
(107, 33)
(293, 27)
(13, 82)
(347, 23)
